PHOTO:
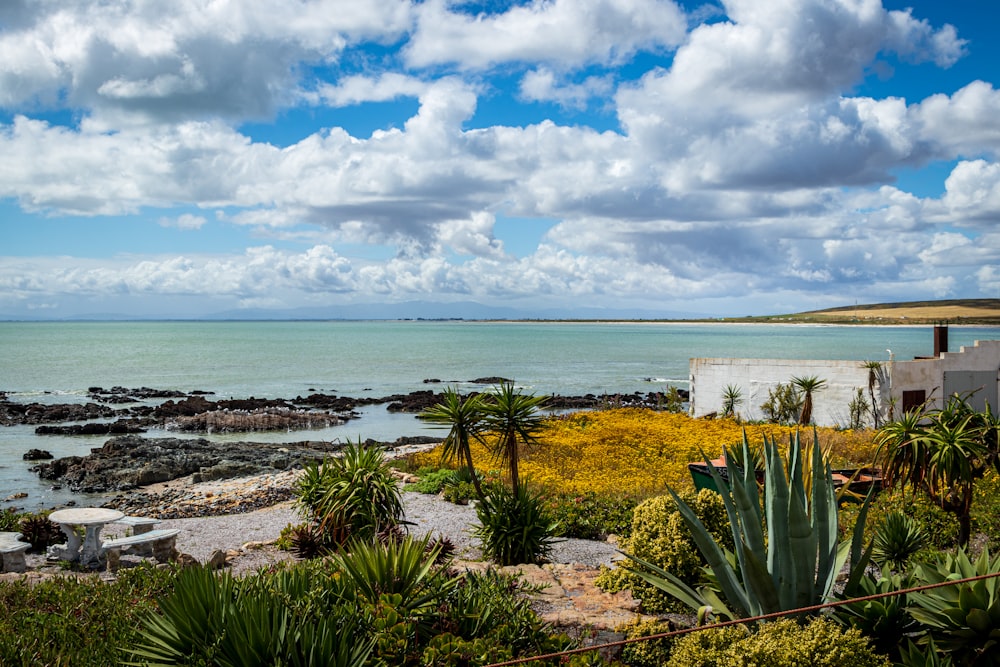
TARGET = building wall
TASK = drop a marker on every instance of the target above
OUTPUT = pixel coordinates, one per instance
(981, 362)
(977, 366)
(757, 377)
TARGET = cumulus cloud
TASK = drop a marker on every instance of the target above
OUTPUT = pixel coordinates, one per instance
(566, 33)
(743, 163)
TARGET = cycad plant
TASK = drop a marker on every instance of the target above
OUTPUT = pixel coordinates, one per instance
(464, 418)
(897, 539)
(787, 551)
(516, 418)
(808, 385)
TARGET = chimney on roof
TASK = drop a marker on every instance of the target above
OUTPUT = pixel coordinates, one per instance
(940, 339)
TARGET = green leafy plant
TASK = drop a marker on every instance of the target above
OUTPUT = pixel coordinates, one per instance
(942, 453)
(40, 532)
(782, 643)
(808, 385)
(465, 419)
(54, 621)
(897, 539)
(783, 404)
(732, 398)
(963, 619)
(513, 526)
(357, 489)
(431, 481)
(516, 418)
(787, 553)
(661, 536)
(858, 409)
(590, 516)
(885, 621)
(215, 619)
(913, 655)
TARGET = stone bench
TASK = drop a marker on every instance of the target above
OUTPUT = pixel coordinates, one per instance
(12, 551)
(161, 540)
(140, 525)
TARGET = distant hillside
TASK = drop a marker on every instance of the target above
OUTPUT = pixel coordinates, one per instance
(953, 311)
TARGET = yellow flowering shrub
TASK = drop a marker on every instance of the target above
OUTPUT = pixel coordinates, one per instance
(782, 643)
(639, 452)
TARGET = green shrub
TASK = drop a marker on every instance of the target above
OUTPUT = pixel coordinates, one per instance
(650, 653)
(938, 526)
(782, 643)
(660, 536)
(513, 527)
(590, 516)
(76, 621)
(357, 487)
(963, 619)
(885, 621)
(10, 520)
(431, 480)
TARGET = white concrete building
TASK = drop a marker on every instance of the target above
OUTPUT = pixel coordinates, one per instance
(899, 385)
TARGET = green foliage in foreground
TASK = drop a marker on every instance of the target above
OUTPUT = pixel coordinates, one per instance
(590, 516)
(659, 535)
(373, 604)
(76, 621)
(787, 551)
(782, 643)
(513, 526)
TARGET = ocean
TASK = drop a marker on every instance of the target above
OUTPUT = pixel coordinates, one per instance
(56, 362)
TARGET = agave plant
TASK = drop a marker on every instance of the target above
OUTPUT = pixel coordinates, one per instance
(964, 619)
(885, 621)
(787, 551)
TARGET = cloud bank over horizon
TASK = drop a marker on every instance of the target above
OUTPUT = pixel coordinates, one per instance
(729, 159)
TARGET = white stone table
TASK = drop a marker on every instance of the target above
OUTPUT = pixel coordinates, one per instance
(92, 519)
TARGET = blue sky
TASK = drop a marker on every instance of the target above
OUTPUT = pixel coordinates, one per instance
(638, 156)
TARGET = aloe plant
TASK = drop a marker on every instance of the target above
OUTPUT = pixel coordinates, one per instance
(963, 619)
(787, 553)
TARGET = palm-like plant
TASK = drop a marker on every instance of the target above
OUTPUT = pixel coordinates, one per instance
(465, 419)
(942, 453)
(876, 373)
(516, 418)
(732, 397)
(808, 385)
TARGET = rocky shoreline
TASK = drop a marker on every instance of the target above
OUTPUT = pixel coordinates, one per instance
(128, 461)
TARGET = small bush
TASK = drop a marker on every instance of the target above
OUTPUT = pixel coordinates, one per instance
(782, 643)
(513, 527)
(590, 516)
(40, 532)
(650, 653)
(10, 520)
(76, 621)
(660, 536)
(431, 481)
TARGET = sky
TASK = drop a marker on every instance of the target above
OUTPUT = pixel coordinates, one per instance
(730, 158)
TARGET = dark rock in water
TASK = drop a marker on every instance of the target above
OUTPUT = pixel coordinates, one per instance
(40, 413)
(432, 381)
(490, 380)
(416, 401)
(118, 427)
(37, 455)
(129, 461)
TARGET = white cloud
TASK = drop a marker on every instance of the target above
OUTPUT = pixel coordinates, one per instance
(186, 221)
(566, 33)
(542, 85)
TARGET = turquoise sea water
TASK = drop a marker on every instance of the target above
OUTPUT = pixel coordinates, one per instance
(57, 362)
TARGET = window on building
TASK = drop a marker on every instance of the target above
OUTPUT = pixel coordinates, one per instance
(912, 400)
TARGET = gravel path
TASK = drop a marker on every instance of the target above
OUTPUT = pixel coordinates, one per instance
(199, 537)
